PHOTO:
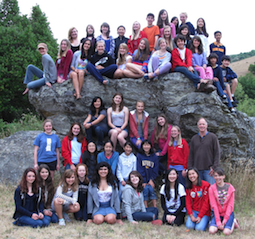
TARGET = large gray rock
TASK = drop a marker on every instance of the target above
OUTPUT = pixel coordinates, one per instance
(16, 154)
(173, 95)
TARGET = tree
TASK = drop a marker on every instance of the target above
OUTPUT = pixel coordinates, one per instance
(18, 43)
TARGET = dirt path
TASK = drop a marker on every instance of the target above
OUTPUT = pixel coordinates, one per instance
(241, 67)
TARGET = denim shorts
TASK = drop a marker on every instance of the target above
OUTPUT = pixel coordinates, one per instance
(148, 191)
(228, 224)
(105, 209)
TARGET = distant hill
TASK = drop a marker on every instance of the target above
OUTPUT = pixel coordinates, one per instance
(241, 67)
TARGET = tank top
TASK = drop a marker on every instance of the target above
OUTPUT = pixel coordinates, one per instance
(118, 118)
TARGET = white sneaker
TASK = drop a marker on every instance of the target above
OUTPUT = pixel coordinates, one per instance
(61, 222)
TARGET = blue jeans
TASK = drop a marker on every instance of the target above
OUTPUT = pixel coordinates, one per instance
(148, 216)
(228, 224)
(98, 74)
(68, 166)
(52, 219)
(99, 131)
(193, 76)
(28, 221)
(204, 175)
(201, 226)
(221, 93)
(30, 72)
(149, 191)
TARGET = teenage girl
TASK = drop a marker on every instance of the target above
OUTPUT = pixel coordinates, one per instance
(222, 199)
(173, 199)
(73, 39)
(159, 62)
(109, 40)
(167, 35)
(184, 31)
(28, 203)
(136, 37)
(117, 117)
(96, 122)
(109, 155)
(89, 158)
(123, 59)
(199, 61)
(133, 202)
(47, 188)
(90, 31)
(202, 33)
(103, 200)
(178, 154)
(46, 148)
(164, 21)
(81, 172)
(140, 60)
(66, 197)
(147, 166)
(175, 21)
(63, 62)
(73, 145)
(197, 201)
(139, 124)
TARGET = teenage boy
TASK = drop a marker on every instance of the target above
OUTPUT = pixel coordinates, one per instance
(152, 32)
(182, 62)
(230, 78)
(219, 82)
(217, 47)
(121, 30)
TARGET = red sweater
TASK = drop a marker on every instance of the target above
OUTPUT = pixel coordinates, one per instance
(178, 155)
(66, 150)
(177, 61)
(228, 206)
(133, 125)
(197, 199)
(64, 66)
(133, 44)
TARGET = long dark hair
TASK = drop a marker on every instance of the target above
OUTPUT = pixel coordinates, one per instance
(111, 179)
(176, 26)
(203, 30)
(140, 184)
(90, 50)
(200, 47)
(188, 182)
(23, 182)
(143, 55)
(142, 150)
(47, 186)
(80, 136)
(167, 185)
(160, 21)
(187, 37)
(92, 107)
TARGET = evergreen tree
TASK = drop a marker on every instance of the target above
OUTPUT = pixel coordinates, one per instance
(9, 12)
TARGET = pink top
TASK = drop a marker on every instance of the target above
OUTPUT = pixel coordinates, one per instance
(173, 30)
(162, 142)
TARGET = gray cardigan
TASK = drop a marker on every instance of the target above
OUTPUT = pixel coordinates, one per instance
(93, 202)
(49, 69)
(131, 202)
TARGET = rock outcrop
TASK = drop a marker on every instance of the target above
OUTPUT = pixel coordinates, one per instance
(173, 95)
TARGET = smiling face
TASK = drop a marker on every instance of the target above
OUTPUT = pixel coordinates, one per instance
(100, 48)
(63, 45)
(81, 171)
(104, 29)
(90, 30)
(146, 148)
(42, 51)
(91, 147)
(219, 179)
(97, 103)
(175, 21)
(30, 178)
(193, 176)
(167, 32)
(108, 149)
(134, 180)
(161, 121)
(70, 180)
(183, 18)
(103, 172)
(122, 50)
(180, 43)
(128, 149)
(74, 33)
(47, 127)
(196, 43)
(76, 130)
(86, 45)
(142, 45)
(44, 174)
(162, 44)
(175, 133)
(163, 16)
(172, 176)
(121, 31)
(202, 126)
(184, 31)
(117, 99)
(136, 26)
(139, 107)
(200, 22)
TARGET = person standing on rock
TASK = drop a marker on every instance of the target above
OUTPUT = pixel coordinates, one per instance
(204, 152)
(46, 77)
(46, 150)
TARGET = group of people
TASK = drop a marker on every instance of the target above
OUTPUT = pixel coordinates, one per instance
(147, 53)
(107, 187)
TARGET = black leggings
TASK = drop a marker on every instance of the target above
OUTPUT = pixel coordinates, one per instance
(179, 220)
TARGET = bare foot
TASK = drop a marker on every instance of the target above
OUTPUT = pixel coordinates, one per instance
(106, 82)
(25, 91)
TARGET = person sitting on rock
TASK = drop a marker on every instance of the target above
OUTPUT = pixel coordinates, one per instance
(101, 64)
(46, 77)
(182, 62)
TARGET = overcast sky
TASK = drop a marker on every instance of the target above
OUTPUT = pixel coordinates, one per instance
(233, 18)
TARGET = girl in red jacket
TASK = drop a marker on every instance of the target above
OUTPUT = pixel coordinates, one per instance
(139, 123)
(73, 145)
(197, 201)
(222, 198)
(178, 154)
